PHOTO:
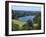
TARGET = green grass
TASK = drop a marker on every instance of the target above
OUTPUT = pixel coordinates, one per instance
(18, 22)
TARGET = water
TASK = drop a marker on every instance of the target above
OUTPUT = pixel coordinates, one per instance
(26, 18)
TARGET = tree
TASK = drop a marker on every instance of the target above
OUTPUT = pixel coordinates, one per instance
(37, 20)
(30, 24)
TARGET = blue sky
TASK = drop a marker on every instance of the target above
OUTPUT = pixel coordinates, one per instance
(26, 8)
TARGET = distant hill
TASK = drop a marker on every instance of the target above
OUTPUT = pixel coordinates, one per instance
(17, 12)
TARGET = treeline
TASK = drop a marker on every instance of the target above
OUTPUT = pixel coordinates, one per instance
(17, 13)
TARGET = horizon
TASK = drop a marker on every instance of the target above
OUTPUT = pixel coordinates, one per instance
(26, 8)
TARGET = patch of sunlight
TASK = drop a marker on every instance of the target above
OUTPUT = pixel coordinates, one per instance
(19, 22)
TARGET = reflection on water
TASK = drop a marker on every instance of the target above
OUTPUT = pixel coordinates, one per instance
(25, 18)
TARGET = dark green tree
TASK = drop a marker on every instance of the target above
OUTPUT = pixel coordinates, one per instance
(37, 20)
(30, 23)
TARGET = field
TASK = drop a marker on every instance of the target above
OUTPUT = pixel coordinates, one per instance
(18, 22)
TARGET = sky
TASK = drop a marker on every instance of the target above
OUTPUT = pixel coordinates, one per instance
(26, 8)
